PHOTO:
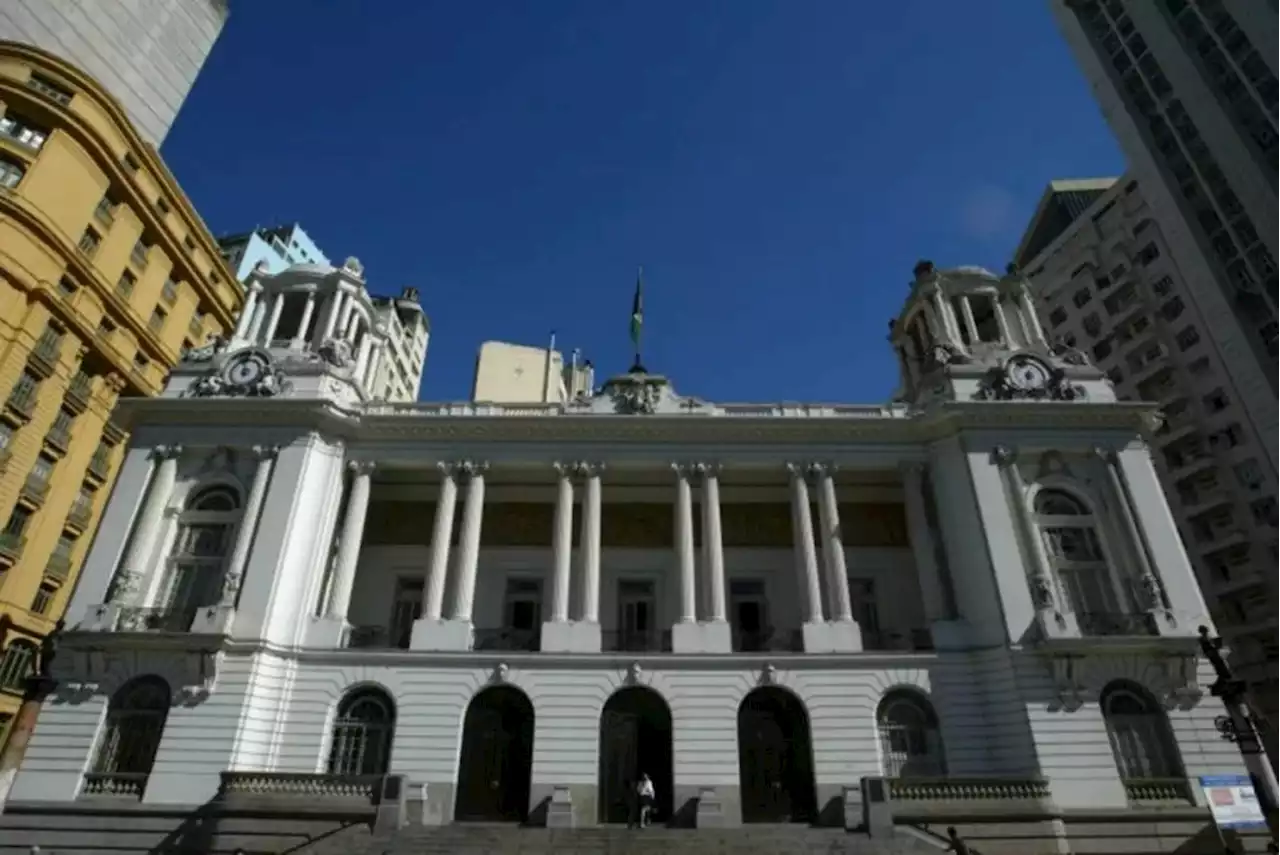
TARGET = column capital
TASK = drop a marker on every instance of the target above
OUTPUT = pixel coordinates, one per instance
(448, 468)
(166, 452)
(1106, 455)
(1003, 455)
(798, 468)
(265, 452)
(472, 468)
(823, 468)
(683, 469)
(589, 468)
(361, 467)
(255, 287)
(913, 468)
(708, 469)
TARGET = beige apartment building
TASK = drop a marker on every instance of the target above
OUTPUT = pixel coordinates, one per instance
(521, 374)
(1110, 287)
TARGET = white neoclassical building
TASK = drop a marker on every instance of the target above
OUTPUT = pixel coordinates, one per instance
(975, 589)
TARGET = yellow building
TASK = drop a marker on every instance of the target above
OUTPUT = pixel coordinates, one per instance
(106, 275)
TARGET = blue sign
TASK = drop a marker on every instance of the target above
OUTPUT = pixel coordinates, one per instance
(1232, 801)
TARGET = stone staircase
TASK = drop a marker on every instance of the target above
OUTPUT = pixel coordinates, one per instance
(468, 839)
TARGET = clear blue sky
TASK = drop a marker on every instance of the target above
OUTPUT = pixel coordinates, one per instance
(777, 166)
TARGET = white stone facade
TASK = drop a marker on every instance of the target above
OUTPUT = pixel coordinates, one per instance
(759, 605)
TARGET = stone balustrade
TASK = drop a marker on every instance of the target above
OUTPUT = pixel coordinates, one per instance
(300, 785)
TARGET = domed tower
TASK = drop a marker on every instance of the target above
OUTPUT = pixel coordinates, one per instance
(967, 334)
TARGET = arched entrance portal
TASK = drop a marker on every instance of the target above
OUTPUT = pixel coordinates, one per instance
(635, 740)
(775, 758)
(497, 757)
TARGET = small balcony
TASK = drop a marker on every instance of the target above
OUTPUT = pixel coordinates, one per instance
(11, 546)
(636, 641)
(769, 639)
(79, 392)
(59, 435)
(507, 639)
(58, 567)
(100, 464)
(80, 515)
(1115, 624)
(35, 489)
(156, 619)
(22, 400)
(43, 358)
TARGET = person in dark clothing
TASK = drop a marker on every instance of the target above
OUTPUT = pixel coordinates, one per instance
(957, 846)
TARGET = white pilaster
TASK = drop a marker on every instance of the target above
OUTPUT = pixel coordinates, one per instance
(684, 544)
(806, 551)
(362, 355)
(1030, 319)
(134, 569)
(968, 320)
(1149, 588)
(922, 544)
(562, 543)
(300, 337)
(234, 574)
(441, 536)
(1043, 597)
(332, 313)
(469, 547)
(589, 548)
(277, 306)
(246, 312)
(344, 574)
(833, 544)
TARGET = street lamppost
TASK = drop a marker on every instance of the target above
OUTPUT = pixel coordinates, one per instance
(1240, 726)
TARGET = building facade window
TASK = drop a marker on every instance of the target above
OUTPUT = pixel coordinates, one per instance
(11, 172)
(1141, 740)
(910, 739)
(195, 567)
(16, 665)
(362, 734)
(134, 724)
(1073, 546)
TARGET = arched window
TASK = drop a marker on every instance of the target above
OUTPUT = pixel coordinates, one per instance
(135, 723)
(16, 664)
(1139, 731)
(205, 538)
(362, 734)
(909, 737)
(1071, 542)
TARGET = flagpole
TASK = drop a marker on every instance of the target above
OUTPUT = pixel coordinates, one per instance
(637, 320)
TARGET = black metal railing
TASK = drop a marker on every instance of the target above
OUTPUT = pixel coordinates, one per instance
(1115, 623)
(157, 619)
(906, 639)
(507, 638)
(769, 639)
(636, 641)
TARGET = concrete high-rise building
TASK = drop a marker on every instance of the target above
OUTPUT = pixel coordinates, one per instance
(1109, 287)
(106, 275)
(275, 248)
(146, 53)
(1189, 88)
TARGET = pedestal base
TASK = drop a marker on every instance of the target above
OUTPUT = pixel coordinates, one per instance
(841, 636)
(570, 637)
(710, 636)
(441, 635)
(328, 632)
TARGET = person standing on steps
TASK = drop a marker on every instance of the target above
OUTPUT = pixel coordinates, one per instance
(957, 846)
(645, 796)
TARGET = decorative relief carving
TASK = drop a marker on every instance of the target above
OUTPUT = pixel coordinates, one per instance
(336, 352)
(769, 675)
(361, 467)
(635, 674)
(635, 394)
(248, 373)
(1025, 377)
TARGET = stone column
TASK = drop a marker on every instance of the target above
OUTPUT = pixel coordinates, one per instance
(441, 537)
(806, 551)
(234, 574)
(344, 572)
(332, 314)
(300, 337)
(1030, 318)
(684, 544)
(277, 306)
(375, 360)
(590, 545)
(246, 312)
(562, 543)
(712, 540)
(255, 325)
(469, 546)
(1002, 321)
(1041, 582)
(1150, 588)
(970, 324)
(833, 543)
(923, 547)
(362, 356)
(124, 588)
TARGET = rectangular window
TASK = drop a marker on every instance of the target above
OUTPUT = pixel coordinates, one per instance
(17, 523)
(66, 287)
(1264, 510)
(1058, 317)
(1102, 350)
(1162, 286)
(1172, 309)
(43, 599)
(138, 255)
(169, 293)
(1081, 298)
(21, 131)
(11, 172)
(140, 362)
(1216, 401)
(1187, 338)
(156, 323)
(1248, 473)
(126, 283)
(1148, 254)
(89, 242)
(105, 213)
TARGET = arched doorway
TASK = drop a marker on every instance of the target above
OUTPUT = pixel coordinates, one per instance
(775, 758)
(497, 757)
(635, 740)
